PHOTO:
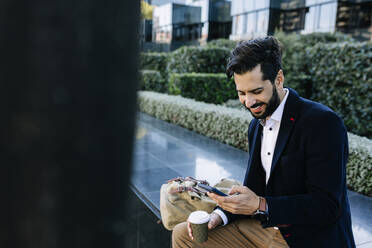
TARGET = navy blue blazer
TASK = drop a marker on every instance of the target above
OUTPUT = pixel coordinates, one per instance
(307, 186)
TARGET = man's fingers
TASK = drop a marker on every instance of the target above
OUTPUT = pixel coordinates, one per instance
(214, 221)
(221, 200)
(189, 230)
(215, 197)
(238, 190)
(211, 225)
(218, 198)
(233, 190)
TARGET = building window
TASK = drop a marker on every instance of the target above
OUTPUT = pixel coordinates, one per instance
(233, 26)
(355, 19)
(321, 18)
(327, 17)
(262, 4)
(240, 24)
(353, 15)
(262, 22)
(250, 18)
(287, 20)
(251, 23)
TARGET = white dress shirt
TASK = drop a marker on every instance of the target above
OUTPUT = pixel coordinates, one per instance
(269, 136)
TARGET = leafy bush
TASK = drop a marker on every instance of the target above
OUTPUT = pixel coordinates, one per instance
(188, 59)
(359, 167)
(233, 103)
(206, 87)
(295, 66)
(342, 79)
(313, 38)
(152, 80)
(334, 70)
(230, 126)
(339, 77)
(226, 125)
(222, 43)
(154, 61)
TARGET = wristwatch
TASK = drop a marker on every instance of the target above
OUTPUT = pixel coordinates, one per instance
(261, 213)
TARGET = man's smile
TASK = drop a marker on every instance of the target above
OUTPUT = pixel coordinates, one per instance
(257, 108)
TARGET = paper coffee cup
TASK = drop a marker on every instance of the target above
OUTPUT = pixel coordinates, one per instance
(199, 225)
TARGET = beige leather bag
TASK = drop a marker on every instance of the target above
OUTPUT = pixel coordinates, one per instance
(181, 196)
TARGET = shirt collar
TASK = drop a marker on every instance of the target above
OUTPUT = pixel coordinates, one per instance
(278, 113)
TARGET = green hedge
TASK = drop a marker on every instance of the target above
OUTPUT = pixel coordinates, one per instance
(335, 70)
(295, 66)
(294, 45)
(359, 167)
(222, 43)
(336, 75)
(198, 59)
(206, 87)
(152, 80)
(342, 79)
(154, 61)
(224, 124)
(230, 126)
(312, 39)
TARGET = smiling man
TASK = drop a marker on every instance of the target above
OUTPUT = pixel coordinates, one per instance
(259, 97)
(294, 191)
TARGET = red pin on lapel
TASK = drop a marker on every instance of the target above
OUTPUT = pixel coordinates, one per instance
(292, 119)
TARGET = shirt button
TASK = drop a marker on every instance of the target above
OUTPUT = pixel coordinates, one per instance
(270, 129)
(268, 153)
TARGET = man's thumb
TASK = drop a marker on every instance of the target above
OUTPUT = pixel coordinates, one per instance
(210, 225)
(214, 221)
(237, 190)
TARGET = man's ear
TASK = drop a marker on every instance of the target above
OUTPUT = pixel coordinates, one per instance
(279, 81)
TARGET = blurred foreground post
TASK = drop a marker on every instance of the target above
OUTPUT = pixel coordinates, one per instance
(68, 81)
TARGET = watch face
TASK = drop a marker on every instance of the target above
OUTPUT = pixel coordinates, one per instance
(261, 215)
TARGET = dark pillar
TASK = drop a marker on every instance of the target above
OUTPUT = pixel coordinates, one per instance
(68, 79)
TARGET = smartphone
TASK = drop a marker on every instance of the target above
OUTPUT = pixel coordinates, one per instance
(211, 189)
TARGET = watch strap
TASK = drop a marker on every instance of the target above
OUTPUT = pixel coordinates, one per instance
(262, 205)
(261, 213)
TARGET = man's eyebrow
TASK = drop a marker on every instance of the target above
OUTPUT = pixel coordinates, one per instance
(251, 91)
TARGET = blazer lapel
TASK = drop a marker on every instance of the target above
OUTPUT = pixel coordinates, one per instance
(287, 123)
(254, 150)
(256, 144)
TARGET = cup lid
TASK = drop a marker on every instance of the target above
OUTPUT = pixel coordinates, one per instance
(198, 217)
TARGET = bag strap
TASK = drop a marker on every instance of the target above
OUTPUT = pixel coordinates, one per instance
(176, 179)
(196, 180)
(181, 189)
(191, 179)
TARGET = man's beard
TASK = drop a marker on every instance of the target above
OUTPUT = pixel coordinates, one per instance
(271, 106)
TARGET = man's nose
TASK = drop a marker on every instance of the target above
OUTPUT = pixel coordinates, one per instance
(249, 101)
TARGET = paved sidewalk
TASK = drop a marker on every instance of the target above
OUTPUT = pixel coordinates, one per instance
(164, 151)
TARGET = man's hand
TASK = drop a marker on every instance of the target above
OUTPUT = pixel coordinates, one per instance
(241, 200)
(214, 221)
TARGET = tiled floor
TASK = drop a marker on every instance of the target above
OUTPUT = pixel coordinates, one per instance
(164, 151)
(142, 230)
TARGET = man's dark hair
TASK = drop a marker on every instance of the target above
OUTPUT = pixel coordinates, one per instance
(248, 54)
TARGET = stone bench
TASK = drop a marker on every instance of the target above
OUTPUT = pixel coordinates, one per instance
(164, 151)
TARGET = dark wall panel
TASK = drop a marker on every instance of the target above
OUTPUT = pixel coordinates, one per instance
(68, 77)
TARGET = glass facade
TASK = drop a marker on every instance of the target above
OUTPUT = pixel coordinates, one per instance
(219, 23)
(250, 18)
(246, 19)
(354, 17)
(321, 16)
(177, 22)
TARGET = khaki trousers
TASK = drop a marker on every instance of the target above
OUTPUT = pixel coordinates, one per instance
(240, 233)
